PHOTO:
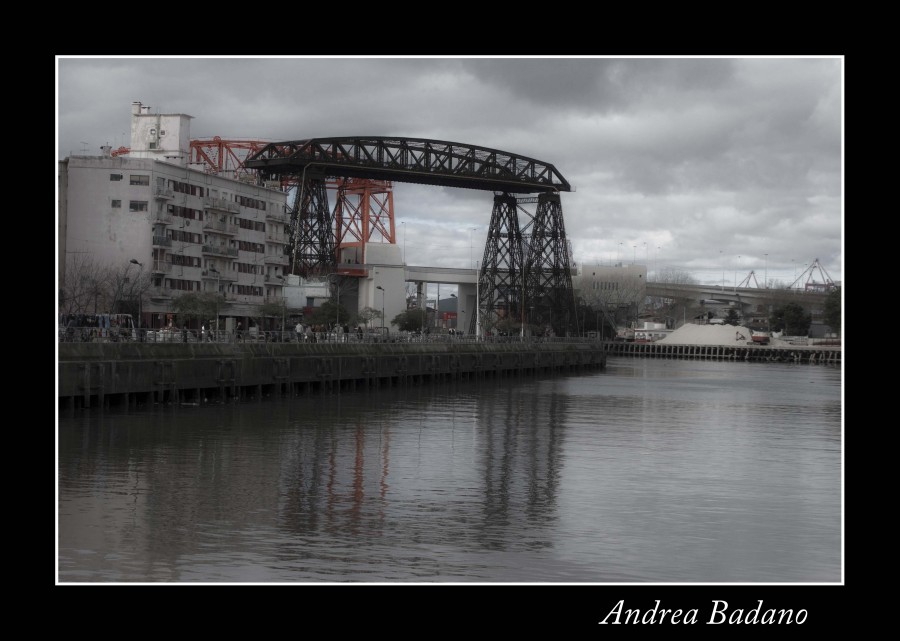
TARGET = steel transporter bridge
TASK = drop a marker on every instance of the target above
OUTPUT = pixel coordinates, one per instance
(527, 257)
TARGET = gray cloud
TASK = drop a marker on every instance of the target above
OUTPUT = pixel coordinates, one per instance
(690, 156)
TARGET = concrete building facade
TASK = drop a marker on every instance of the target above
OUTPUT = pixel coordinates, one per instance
(182, 228)
(617, 287)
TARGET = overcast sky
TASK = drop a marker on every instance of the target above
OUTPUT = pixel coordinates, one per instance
(714, 166)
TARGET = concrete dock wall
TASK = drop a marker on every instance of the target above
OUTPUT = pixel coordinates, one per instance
(100, 374)
(749, 353)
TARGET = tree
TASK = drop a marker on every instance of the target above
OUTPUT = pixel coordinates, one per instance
(508, 326)
(674, 276)
(791, 319)
(832, 310)
(328, 314)
(732, 318)
(270, 309)
(91, 287)
(410, 320)
(199, 306)
(672, 309)
(367, 314)
(622, 298)
(84, 285)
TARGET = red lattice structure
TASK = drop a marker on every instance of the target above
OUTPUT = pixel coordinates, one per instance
(363, 213)
(225, 156)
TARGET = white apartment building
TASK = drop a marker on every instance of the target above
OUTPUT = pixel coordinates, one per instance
(189, 230)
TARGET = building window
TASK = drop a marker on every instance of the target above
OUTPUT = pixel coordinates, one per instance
(115, 177)
(116, 204)
(139, 179)
(152, 145)
(162, 132)
(137, 205)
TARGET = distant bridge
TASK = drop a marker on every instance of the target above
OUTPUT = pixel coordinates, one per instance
(738, 295)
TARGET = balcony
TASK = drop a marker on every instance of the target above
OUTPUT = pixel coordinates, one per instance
(216, 250)
(163, 193)
(220, 227)
(161, 267)
(162, 241)
(220, 204)
(277, 217)
(210, 275)
(277, 238)
(163, 217)
(159, 293)
(273, 259)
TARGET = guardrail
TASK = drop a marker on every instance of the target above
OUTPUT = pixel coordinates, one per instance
(114, 335)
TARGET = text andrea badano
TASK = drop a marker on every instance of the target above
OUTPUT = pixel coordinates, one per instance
(720, 613)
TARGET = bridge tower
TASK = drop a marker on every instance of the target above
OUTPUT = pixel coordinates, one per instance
(548, 271)
(311, 236)
(526, 273)
(500, 279)
(363, 213)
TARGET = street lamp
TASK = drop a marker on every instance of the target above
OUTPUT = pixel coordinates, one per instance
(437, 308)
(477, 303)
(140, 295)
(216, 272)
(723, 270)
(766, 273)
(337, 302)
(382, 308)
(283, 305)
(522, 315)
(471, 229)
(457, 309)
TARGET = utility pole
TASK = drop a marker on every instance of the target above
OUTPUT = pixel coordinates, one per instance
(382, 308)
(216, 271)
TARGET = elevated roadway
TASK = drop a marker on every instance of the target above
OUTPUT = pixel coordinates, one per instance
(738, 295)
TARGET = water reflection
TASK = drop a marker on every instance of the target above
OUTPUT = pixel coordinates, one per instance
(651, 471)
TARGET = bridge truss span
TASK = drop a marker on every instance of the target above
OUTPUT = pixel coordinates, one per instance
(413, 160)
